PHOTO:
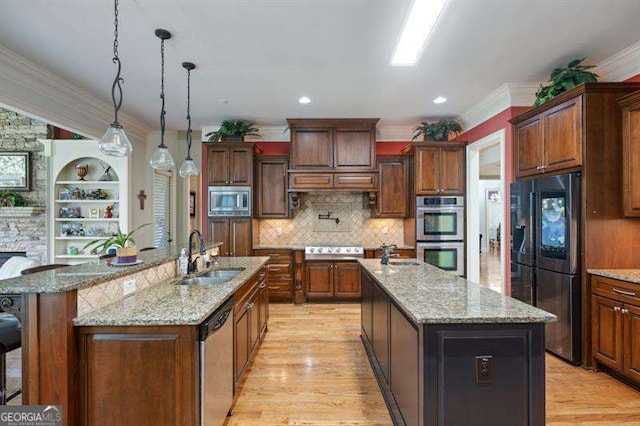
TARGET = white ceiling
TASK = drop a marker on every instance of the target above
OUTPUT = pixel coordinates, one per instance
(262, 56)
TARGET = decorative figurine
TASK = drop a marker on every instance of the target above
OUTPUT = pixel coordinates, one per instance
(108, 211)
(106, 176)
(82, 170)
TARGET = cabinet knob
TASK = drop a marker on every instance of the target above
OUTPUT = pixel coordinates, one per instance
(231, 254)
(616, 309)
(625, 311)
(226, 254)
(539, 168)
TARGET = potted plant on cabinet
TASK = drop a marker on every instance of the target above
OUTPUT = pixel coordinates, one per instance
(11, 199)
(563, 79)
(233, 130)
(126, 251)
(438, 131)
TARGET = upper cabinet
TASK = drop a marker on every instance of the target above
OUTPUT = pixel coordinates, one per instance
(631, 153)
(230, 164)
(394, 189)
(271, 187)
(333, 144)
(440, 168)
(551, 140)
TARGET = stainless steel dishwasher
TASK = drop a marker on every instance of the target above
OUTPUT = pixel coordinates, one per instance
(216, 365)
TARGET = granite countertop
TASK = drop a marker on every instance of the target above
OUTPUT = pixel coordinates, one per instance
(630, 275)
(88, 274)
(290, 247)
(430, 295)
(171, 304)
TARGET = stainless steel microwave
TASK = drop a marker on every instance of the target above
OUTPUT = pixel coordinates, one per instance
(232, 201)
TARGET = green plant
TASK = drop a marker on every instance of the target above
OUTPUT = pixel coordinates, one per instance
(438, 131)
(233, 128)
(563, 79)
(11, 199)
(119, 240)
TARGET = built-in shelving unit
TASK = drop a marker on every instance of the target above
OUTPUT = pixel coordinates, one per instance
(78, 210)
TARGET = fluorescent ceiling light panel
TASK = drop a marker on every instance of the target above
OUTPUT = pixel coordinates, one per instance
(304, 100)
(421, 21)
(439, 100)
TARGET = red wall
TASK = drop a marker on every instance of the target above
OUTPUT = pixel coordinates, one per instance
(634, 79)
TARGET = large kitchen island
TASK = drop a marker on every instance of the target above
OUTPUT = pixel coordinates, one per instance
(447, 351)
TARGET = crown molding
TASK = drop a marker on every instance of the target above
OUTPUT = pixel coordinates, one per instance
(505, 96)
(621, 66)
(30, 89)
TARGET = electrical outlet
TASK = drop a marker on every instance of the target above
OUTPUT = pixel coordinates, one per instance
(385, 230)
(129, 287)
(485, 369)
(279, 231)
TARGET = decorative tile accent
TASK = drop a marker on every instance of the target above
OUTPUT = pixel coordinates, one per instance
(301, 230)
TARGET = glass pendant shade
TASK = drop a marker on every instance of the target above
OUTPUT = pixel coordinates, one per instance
(188, 169)
(115, 142)
(162, 159)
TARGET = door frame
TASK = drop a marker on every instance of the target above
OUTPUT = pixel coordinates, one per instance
(473, 200)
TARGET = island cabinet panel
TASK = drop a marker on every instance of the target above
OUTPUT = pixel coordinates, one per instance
(404, 365)
(271, 188)
(381, 329)
(311, 148)
(241, 344)
(631, 153)
(230, 164)
(354, 149)
(366, 307)
(139, 375)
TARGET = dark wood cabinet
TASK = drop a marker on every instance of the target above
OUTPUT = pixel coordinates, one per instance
(631, 154)
(615, 322)
(404, 353)
(440, 168)
(271, 199)
(241, 344)
(380, 341)
(335, 144)
(326, 280)
(306, 182)
(235, 235)
(366, 307)
(230, 164)
(394, 190)
(279, 273)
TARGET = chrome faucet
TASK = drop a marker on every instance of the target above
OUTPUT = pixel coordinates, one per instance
(387, 253)
(192, 266)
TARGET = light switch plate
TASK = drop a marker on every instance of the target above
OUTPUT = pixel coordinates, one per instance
(129, 287)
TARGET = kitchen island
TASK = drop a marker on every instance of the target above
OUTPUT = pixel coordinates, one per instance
(447, 351)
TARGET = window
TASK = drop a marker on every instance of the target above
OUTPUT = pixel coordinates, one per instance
(161, 208)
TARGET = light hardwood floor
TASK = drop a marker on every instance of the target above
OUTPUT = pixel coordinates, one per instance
(490, 270)
(312, 370)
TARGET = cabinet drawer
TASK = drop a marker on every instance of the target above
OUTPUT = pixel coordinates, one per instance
(616, 289)
(311, 180)
(275, 255)
(245, 293)
(280, 287)
(360, 181)
(279, 270)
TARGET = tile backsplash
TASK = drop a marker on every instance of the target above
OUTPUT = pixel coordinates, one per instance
(355, 226)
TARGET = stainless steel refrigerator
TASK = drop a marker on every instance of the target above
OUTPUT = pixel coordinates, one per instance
(545, 255)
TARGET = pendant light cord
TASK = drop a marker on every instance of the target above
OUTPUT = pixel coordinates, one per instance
(116, 88)
(189, 114)
(162, 112)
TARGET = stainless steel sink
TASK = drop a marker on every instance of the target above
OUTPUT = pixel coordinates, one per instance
(204, 281)
(223, 273)
(406, 263)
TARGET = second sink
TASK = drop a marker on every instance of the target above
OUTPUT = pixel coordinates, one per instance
(203, 280)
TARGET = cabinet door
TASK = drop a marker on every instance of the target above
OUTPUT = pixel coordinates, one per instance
(393, 189)
(563, 136)
(218, 165)
(528, 147)
(346, 278)
(241, 344)
(631, 159)
(319, 280)
(366, 306)
(254, 321)
(427, 171)
(311, 148)
(240, 237)
(354, 148)
(607, 332)
(405, 373)
(240, 166)
(219, 231)
(452, 171)
(381, 329)
(271, 187)
(632, 342)
(263, 306)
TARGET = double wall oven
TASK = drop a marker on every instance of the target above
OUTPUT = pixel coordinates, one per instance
(440, 232)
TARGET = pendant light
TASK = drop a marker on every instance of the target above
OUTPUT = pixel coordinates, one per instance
(162, 159)
(189, 167)
(115, 142)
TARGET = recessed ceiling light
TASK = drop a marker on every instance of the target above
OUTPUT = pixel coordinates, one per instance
(421, 21)
(304, 100)
(439, 100)
(224, 101)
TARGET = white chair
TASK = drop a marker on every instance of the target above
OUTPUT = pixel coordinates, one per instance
(14, 266)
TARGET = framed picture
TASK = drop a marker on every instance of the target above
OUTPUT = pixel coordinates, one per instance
(15, 171)
(192, 203)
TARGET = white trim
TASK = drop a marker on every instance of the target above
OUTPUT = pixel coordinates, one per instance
(473, 220)
(621, 66)
(31, 90)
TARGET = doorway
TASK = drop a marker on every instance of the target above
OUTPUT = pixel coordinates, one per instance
(485, 211)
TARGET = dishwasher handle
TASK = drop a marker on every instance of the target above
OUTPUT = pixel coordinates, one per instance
(215, 321)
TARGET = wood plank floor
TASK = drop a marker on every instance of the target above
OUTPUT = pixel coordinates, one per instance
(312, 370)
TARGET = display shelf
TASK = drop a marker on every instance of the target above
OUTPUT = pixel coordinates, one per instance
(88, 201)
(86, 219)
(87, 182)
(83, 238)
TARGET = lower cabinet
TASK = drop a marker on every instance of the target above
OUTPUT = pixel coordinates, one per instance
(615, 322)
(326, 280)
(404, 353)
(279, 273)
(251, 311)
(235, 235)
